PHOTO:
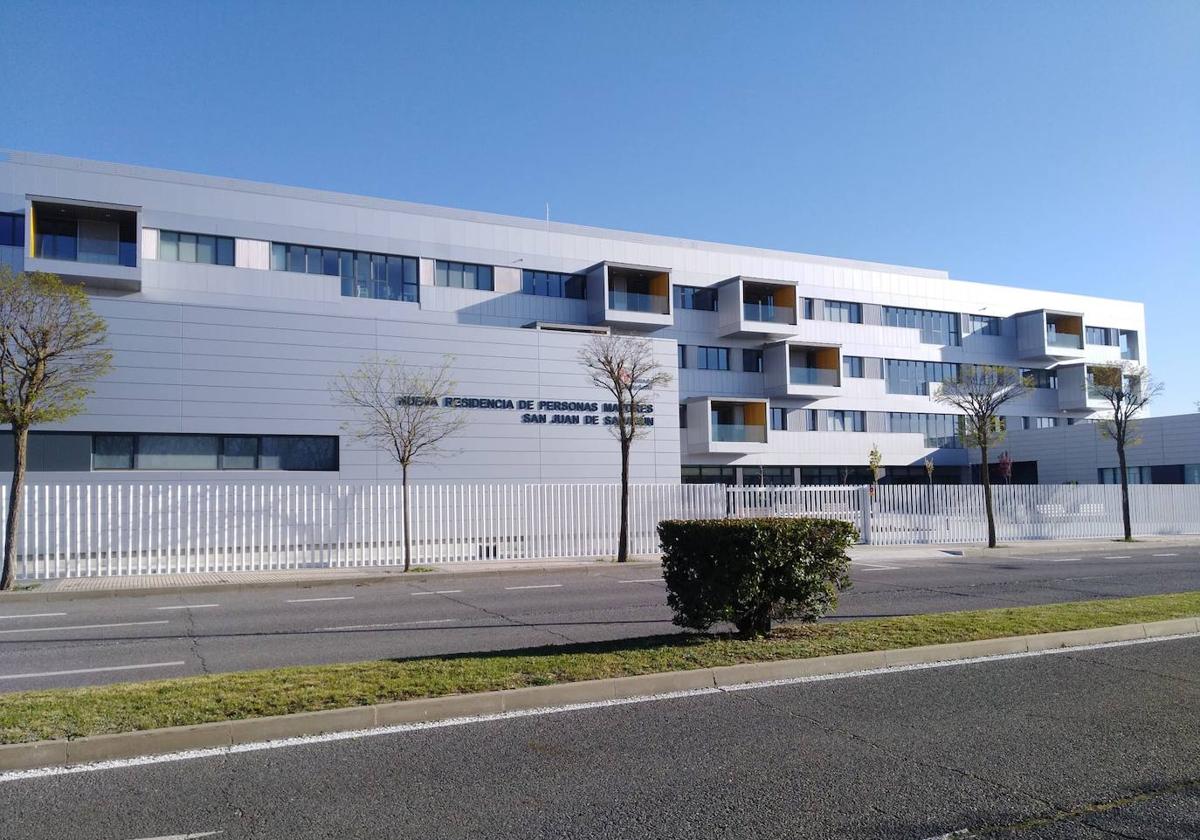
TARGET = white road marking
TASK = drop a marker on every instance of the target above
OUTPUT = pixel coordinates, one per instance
(1166, 555)
(82, 627)
(951, 835)
(643, 580)
(1063, 559)
(43, 772)
(875, 568)
(385, 626)
(1118, 557)
(189, 607)
(537, 586)
(92, 670)
(32, 615)
(438, 592)
(311, 600)
(184, 836)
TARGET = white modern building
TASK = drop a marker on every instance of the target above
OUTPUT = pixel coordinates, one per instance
(232, 304)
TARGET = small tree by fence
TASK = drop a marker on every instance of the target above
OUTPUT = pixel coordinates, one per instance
(1126, 390)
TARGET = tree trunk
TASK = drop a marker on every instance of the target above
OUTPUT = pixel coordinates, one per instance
(1124, 489)
(407, 528)
(623, 537)
(20, 451)
(985, 474)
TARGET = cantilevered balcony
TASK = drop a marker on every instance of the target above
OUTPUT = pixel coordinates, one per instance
(726, 425)
(1079, 386)
(630, 296)
(748, 307)
(1047, 335)
(802, 369)
(93, 244)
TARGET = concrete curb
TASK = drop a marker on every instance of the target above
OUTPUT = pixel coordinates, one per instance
(36, 597)
(96, 748)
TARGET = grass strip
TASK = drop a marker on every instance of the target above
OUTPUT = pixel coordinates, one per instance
(127, 707)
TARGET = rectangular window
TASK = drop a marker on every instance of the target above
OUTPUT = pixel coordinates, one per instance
(808, 419)
(683, 415)
(298, 453)
(239, 453)
(939, 430)
(779, 419)
(682, 356)
(1137, 475)
(553, 284)
(456, 275)
(176, 452)
(695, 297)
(852, 367)
(1040, 377)
(808, 309)
(1045, 422)
(708, 475)
(364, 275)
(844, 311)
(1101, 335)
(712, 358)
(187, 247)
(212, 452)
(985, 325)
(112, 452)
(845, 421)
(835, 475)
(911, 377)
(12, 230)
(752, 361)
(936, 327)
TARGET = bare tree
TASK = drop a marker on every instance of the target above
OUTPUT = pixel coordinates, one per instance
(874, 462)
(978, 392)
(402, 410)
(625, 367)
(51, 350)
(1126, 390)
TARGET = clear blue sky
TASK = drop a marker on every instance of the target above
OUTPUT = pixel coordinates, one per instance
(1048, 144)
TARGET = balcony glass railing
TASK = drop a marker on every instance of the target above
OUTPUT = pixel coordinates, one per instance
(768, 313)
(814, 376)
(1067, 340)
(637, 302)
(738, 433)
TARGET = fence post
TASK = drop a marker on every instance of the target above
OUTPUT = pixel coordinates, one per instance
(864, 506)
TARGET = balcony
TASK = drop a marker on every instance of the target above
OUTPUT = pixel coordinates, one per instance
(802, 369)
(96, 245)
(1077, 386)
(630, 296)
(1063, 340)
(1044, 335)
(725, 426)
(750, 308)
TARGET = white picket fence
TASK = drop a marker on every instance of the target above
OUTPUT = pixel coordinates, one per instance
(139, 528)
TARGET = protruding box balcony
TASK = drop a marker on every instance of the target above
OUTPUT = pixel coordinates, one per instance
(85, 242)
(1049, 335)
(802, 369)
(1077, 389)
(750, 307)
(717, 425)
(631, 296)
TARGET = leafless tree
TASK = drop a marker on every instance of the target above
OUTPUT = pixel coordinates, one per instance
(978, 392)
(1126, 389)
(51, 350)
(624, 367)
(402, 410)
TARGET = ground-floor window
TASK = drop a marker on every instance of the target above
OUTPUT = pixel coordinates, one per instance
(118, 451)
(768, 476)
(708, 475)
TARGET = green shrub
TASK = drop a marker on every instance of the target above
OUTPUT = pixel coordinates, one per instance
(751, 571)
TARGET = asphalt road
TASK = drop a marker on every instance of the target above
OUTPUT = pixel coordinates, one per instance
(106, 640)
(1071, 746)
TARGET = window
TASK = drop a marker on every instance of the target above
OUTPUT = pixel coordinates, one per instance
(910, 377)
(112, 452)
(808, 308)
(463, 276)
(1044, 422)
(708, 475)
(176, 452)
(1137, 475)
(239, 453)
(12, 230)
(365, 275)
(551, 284)
(845, 421)
(935, 327)
(852, 367)
(712, 358)
(682, 356)
(212, 452)
(1191, 473)
(779, 420)
(1040, 377)
(106, 236)
(683, 415)
(940, 430)
(280, 452)
(835, 475)
(694, 297)
(1100, 335)
(174, 246)
(768, 476)
(844, 311)
(1127, 340)
(808, 419)
(752, 361)
(985, 325)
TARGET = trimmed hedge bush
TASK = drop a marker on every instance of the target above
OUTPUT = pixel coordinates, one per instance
(751, 571)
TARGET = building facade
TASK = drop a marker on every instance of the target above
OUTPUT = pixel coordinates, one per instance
(231, 305)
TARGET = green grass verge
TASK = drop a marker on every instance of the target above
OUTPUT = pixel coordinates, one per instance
(74, 713)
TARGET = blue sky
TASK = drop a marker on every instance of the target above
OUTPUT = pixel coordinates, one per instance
(1046, 144)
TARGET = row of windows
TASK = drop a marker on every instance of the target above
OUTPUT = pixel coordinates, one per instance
(777, 476)
(985, 325)
(174, 246)
(553, 284)
(1106, 336)
(1040, 377)
(456, 275)
(12, 230)
(712, 358)
(213, 452)
(936, 327)
(843, 311)
(940, 430)
(904, 376)
(694, 297)
(846, 421)
(379, 276)
(1158, 474)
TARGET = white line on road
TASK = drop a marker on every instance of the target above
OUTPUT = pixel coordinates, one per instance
(189, 607)
(184, 836)
(18, 775)
(82, 627)
(1118, 557)
(537, 586)
(385, 626)
(92, 670)
(874, 568)
(643, 580)
(439, 592)
(32, 615)
(1172, 554)
(311, 600)
(1063, 559)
